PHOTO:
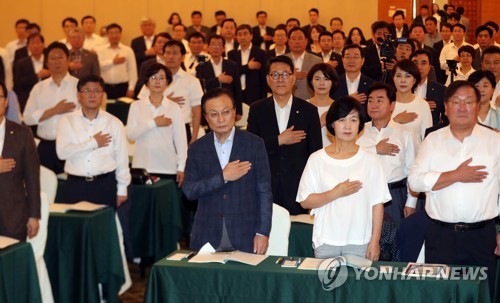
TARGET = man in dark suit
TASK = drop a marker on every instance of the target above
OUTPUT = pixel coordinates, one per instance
(372, 66)
(445, 32)
(327, 53)
(483, 39)
(81, 61)
(262, 34)
(219, 72)
(228, 172)
(252, 61)
(143, 45)
(291, 131)
(424, 14)
(19, 178)
(398, 27)
(417, 33)
(219, 17)
(313, 20)
(196, 26)
(353, 59)
(23, 52)
(434, 91)
(29, 70)
(280, 42)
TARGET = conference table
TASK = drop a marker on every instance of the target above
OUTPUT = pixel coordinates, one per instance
(82, 252)
(18, 274)
(181, 281)
(300, 244)
(152, 223)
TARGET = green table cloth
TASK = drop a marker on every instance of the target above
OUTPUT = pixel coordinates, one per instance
(82, 251)
(180, 281)
(18, 275)
(155, 219)
(118, 109)
(300, 240)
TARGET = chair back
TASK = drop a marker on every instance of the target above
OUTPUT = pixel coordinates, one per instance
(48, 183)
(242, 123)
(280, 231)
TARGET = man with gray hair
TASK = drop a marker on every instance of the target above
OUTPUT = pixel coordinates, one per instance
(81, 61)
(143, 45)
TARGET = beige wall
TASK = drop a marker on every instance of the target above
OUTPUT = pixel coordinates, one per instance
(49, 13)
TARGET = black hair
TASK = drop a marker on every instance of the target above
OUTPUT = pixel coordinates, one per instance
(422, 52)
(484, 28)
(215, 93)
(113, 25)
(340, 109)
(162, 34)
(457, 84)
(492, 24)
(216, 37)
(349, 36)
(260, 13)
(389, 90)
(433, 19)
(408, 66)
(33, 36)
(219, 13)
(196, 35)
(292, 19)
(243, 27)
(314, 10)
(22, 21)
(325, 33)
(172, 17)
(478, 75)
(415, 25)
(57, 45)
(379, 25)
(352, 46)
(329, 73)
(281, 59)
(90, 78)
(4, 89)
(154, 69)
(458, 25)
(69, 19)
(175, 43)
(445, 24)
(88, 17)
(468, 49)
(339, 32)
(196, 13)
(490, 50)
(297, 29)
(228, 20)
(336, 19)
(398, 13)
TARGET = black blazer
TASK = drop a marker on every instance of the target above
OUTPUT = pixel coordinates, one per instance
(21, 186)
(255, 79)
(419, 19)
(476, 62)
(24, 79)
(435, 92)
(287, 161)
(335, 57)
(392, 30)
(257, 38)
(205, 72)
(364, 84)
(438, 46)
(372, 67)
(21, 53)
(139, 46)
(272, 53)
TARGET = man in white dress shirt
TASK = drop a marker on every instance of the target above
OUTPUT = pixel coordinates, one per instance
(92, 40)
(21, 41)
(196, 42)
(118, 66)
(450, 51)
(458, 167)
(49, 101)
(94, 145)
(394, 146)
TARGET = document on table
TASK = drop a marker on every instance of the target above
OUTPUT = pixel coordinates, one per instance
(310, 264)
(80, 206)
(207, 254)
(6, 242)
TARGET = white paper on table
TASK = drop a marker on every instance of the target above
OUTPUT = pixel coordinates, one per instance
(207, 254)
(81, 206)
(310, 264)
(6, 242)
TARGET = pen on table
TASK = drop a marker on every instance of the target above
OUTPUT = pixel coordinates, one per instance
(279, 260)
(300, 260)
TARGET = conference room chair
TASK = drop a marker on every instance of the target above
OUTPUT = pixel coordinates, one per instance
(48, 183)
(280, 231)
(38, 244)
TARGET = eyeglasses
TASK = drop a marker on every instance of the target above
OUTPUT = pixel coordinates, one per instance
(157, 77)
(91, 91)
(284, 75)
(215, 115)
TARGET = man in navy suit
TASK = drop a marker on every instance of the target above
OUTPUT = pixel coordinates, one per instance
(143, 45)
(291, 131)
(431, 91)
(228, 172)
(252, 61)
(219, 72)
(262, 34)
(353, 83)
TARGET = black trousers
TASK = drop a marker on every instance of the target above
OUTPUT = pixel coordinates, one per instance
(115, 91)
(474, 247)
(100, 191)
(48, 156)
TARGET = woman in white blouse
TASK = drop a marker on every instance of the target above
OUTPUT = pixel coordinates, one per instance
(485, 82)
(466, 55)
(323, 79)
(344, 187)
(412, 112)
(156, 125)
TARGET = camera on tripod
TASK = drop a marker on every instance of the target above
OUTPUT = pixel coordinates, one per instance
(388, 47)
(452, 66)
(202, 59)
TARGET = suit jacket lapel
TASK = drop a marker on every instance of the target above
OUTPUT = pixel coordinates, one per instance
(294, 113)
(271, 112)
(236, 149)
(8, 141)
(210, 69)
